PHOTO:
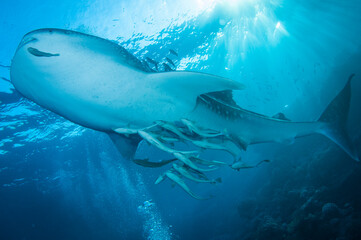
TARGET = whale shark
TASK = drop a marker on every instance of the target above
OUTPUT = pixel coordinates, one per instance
(98, 84)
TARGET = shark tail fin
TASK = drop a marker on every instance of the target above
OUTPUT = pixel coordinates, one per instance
(335, 118)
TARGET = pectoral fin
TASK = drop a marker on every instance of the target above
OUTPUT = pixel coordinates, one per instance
(127, 146)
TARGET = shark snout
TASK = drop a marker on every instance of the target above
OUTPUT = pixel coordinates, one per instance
(37, 36)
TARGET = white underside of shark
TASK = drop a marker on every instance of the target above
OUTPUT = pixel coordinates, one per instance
(98, 84)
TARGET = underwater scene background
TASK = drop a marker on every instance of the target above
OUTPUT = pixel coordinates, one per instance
(59, 180)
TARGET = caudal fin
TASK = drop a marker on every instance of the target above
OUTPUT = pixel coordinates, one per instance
(335, 118)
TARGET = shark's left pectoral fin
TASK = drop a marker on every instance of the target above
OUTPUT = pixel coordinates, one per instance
(127, 146)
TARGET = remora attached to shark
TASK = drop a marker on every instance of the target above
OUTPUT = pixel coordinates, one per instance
(98, 84)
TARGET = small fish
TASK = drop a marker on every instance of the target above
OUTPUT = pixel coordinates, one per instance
(155, 142)
(38, 53)
(155, 63)
(208, 162)
(126, 131)
(241, 165)
(203, 133)
(170, 139)
(196, 172)
(147, 67)
(170, 61)
(147, 163)
(173, 52)
(172, 128)
(160, 179)
(129, 131)
(167, 68)
(185, 173)
(208, 145)
(182, 184)
(189, 163)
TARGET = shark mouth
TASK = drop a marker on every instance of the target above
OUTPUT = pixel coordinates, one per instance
(38, 53)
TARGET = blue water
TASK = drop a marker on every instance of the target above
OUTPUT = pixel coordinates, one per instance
(62, 181)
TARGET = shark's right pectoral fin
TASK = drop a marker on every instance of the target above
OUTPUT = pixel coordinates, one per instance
(127, 146)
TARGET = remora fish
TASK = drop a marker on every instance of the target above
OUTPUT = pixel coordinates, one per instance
(189, 163)
(241, 165)
(173, 52)
(182, 184)
(173, 129)
(199, 174)
(208, 145)
(155, 142)
(167, 68)
(112, 89)
(160, 178)
(152, 62)
(184, 172)
(208, 162)
(202, 133)
(129, 131)
(170, 61)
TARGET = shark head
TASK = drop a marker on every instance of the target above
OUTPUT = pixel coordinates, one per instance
(78, 76)
(37, 51)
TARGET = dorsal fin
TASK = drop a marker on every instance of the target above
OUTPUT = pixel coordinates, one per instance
(224, 105)
(281, 116)
(130, 59)
(225, 96)
(229, 109)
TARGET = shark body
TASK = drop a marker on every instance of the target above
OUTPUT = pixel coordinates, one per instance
(98, 84)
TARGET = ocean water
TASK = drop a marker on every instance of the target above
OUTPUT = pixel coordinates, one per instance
(59, 180)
